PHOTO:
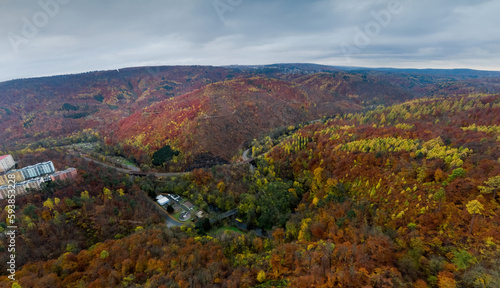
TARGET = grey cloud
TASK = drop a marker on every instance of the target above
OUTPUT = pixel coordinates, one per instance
(106, 34)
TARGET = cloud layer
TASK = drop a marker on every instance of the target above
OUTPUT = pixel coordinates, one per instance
(50, 37)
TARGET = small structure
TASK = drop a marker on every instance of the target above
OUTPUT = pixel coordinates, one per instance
(189, 205)
(162, 200)
(185, 216)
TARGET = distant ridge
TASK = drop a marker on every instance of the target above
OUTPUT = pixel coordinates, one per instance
(311, 67)
(297, 67)
(429, 71)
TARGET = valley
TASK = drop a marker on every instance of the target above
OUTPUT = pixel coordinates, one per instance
(306, 176)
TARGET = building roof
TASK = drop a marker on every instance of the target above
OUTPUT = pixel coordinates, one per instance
(4, 156)
(163, 201)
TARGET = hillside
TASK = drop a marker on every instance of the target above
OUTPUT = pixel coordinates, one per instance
(208, 112)
(32, 109)
(399, 196)
(223, 117)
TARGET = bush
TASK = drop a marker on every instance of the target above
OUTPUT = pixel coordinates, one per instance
(478, 276)
(69, 107)
(463, 259)
(77, 115)
(459, 172)
(163, 155)
(170, 209)
(203, 225)
(99, 98)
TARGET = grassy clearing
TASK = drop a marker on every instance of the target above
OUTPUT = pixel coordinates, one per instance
(176, 215)
(221, 230)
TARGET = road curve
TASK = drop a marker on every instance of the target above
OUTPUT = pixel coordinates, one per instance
(244, 156)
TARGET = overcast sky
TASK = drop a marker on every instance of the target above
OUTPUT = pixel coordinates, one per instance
(72, 36)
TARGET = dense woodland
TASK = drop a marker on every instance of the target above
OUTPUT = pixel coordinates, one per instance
(207, 114)
(399, 196)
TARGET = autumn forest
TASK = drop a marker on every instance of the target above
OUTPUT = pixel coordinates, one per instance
(359, 178)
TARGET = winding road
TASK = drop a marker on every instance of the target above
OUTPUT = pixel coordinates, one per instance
(136, 171)
(244, 157)
(132, 172)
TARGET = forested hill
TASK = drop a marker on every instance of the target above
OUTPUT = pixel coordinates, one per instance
(400, 196)
(33, 109)
(204, 111)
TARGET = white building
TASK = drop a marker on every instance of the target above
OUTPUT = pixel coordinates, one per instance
(162, 200)
(38, 170)
(6, 163)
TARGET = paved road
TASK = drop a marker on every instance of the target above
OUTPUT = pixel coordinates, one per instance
(244, 156)
(104, 164)
(126, 171)
(133, 168)
(136, 171)
(171, 222)
(156, 174)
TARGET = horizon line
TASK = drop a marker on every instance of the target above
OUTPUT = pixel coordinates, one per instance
(340, 67)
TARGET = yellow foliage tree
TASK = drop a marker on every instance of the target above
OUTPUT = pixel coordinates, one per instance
(492, 186)
(221, 186)
(315, 201)
(107, 193)
(261, 276)
(474, 207)
(49, 204)
(85, 195)
(121, 192)
(304, 230)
